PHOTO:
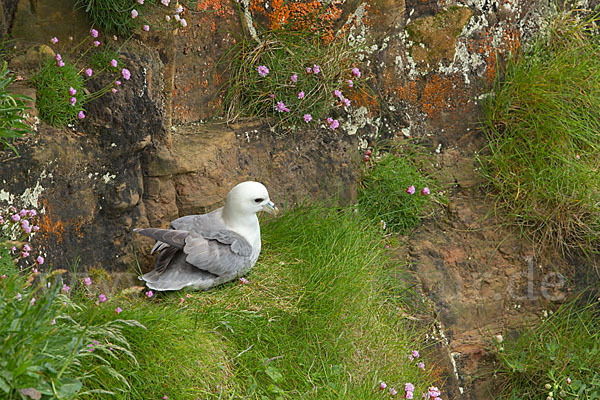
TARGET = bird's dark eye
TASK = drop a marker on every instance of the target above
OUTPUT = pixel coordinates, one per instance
(258, 200)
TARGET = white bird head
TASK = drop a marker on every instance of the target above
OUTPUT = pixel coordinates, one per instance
(249, 198)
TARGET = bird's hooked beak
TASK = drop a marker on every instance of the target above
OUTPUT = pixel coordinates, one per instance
(270, 208)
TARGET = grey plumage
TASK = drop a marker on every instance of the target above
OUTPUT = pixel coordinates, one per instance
(202, 251)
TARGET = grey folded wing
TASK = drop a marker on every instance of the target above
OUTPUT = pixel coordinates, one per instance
(221, 252)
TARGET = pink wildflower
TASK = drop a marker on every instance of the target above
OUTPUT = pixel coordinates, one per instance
(114, 90)
(39, 260)
(35, 228)
(346, 102)
(140, 2)
(15, 217)
(382, 385)
(179, 9)
(27, 230)
(96, 43)
(309, 70)
(272, 95)
(183, 22)
(188, 295)
(263, 70)
(409, 387)
(307, 117)
(280, 107)
(113, 63)
(167, 18)
(32, 301)
(409, 395)
(181, 300)
(316, 69)
(118, 82)
(146, 28)
(425, 191)
(421, 366)
(24, 254)
(61, 63)
(329, 120)
(301, 95)
(350, 83)
(118, 310)
(338, 94)
(356, 72)
(415, 354)
(433, 392)
(87, 281)
(94, 33)
(244, 281)
(81, 115)
(72, 91)
(102, 298)
(73, 100)
(295, 78)
(393, 392)
(126, 74)
(410, 190)
(134, 13)
(334, 124)
(149, 293)
(66, 288)
(89, 72)
(165, 2)
(54, 40)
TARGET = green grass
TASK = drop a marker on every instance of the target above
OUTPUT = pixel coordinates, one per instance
(52, 85)
(12, 111)
(382, 194)
(320, 319)
(114, 16)
(540, 360)
(544, 149)
(285, 53)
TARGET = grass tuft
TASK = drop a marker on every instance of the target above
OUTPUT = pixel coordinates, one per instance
(561, 355)
(544, 149)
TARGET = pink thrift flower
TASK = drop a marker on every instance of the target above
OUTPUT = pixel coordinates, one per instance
(96, 43)
(24, 254)
(18, 296)
(94, 33)
(126, 74)
(73, 100)
(66, 288)
(295, 78)
(113, 63)
(15, 217)
(409, 387)
(334, 124)
(32, 301)
(27, 247)
(244, 281)
(87, 281)
(13, 248)
(102, 298)
(568, 379)
(346, 102)
(114, 90)
(117, 82)
(146, 28)
(316, 69)
(421, 366)
(179, 9)
(89, 72)
(382, 385)
(337, 94)
(3, 276)
(1, 220)
(53, 322)
(167, 17)
(54, 40)
(118, 309)
(176, 17)
(393, 392)
(72, 91)
(141, 2)
(24, 223)
(181, 300)
(272, 96)
(425, 191)
(263, 70)
(183, 22)
(301, 95)
(27, 230)
(280, 107)
(165, 397)
(350, 83)
(329, 120)
(35, 228)
(165, 2)
(61, 63)
(149, 293)
(23, 213)
(356, 72)
(307, 117)
(434, 392)
(58, 57)
(309, 70)
(39, 260)
(134, 13)
(81, 115)
(415, 354)
(409, 395)
(410, 190)
(188, 295)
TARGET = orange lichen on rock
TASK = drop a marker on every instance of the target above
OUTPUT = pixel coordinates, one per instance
(364, 98)
(437, 95)
(510, 44)
(49, 226)
(312, 15)
(408, 92)
(219, 7)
